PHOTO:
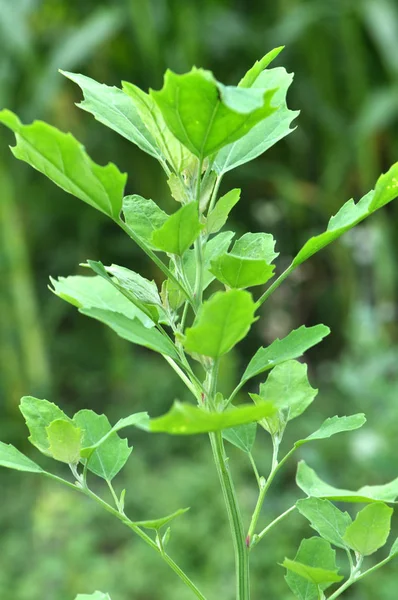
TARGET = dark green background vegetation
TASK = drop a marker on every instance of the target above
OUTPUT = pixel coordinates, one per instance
(54, 544)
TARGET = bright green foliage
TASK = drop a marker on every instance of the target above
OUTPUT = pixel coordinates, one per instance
(65, 441)
(243, 436)
(137, 419)
(39, 414)
(314, 566)
(370, 530)
(292, 346)
(185, 419)
(110, 457)
(312, 485)
(221, 323)
(258, 67)
(334, 425)
(394, 548)
(143, 216)
(179, 232)
(159, 523)
(219, 215)
(330, 522)
(95, 596)
(12, 458)
(248, 263)
(226, 113)
(64, 160)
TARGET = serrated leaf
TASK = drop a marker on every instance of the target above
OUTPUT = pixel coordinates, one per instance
(110, 457)
(112, 107)
(159, 523)
(315, 561)
(186, 419)
(132, 330)
(95, 596)
(312, 485)
(227, 113)
(248, 263)
(11, 458)
(243, 436)
(268, 132)
(221, 323)
(137, 419)
(179, 232)
(64, 160)
(351, 214)
(330, 522)
(39, 414)
(143, 217)
(255, 71)
(370, 530)
(334, 425)
(219, 215)
(65, 441)
(292, 346)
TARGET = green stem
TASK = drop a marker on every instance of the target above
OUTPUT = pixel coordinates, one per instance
(198, 289)
(355, 576)
(182, 376)
(274, 286)
(255, 470)
(263, 533)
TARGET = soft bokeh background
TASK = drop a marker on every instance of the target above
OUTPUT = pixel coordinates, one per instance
(54, 543)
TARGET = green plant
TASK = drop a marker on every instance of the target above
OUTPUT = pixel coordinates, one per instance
(198, 130)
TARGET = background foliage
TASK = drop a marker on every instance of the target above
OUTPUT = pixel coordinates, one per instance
(343, 52)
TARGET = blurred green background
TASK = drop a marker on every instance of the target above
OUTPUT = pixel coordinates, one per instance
(344, 53)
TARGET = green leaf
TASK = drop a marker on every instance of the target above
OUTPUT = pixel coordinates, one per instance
(133, 330)
(65, 441)
(186, 419)
(351, 214)
(248, 263)
(314, 565)
(370, 530)
(219, 215)
(159, 523)
(394, 549)
(222, 322)
(64, 160)
(255, 71)
(292, 346)
(330, 522)
(112, 107)
(334, 425)
(180, 230)
(242, 436)
(143, 217)
(312, 485)
(95, 596)
(288, 388)
(95, 292)
(39, 414)
(110, 457)
(11, 458)
(226, 113)
(137, 419)
(266, 133)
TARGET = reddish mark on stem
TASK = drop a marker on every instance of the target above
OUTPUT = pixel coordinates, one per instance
(248, 541)
(202, 396)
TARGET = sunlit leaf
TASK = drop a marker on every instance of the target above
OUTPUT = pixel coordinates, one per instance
(65, 441)
(242, 436)
(143, 216)
(137, 419)
(39, 414)
(179, 232)
(334, 425)
(255, 71)
(370, 530)
(330, 522)
(219, 215)
(11, 458)
(158, 523)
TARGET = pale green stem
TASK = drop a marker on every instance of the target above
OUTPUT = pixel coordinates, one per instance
(254, 466)
(182, 376)
(274, 286)
(213, 198)
(263, 533)
(355, 576)
(198, 289)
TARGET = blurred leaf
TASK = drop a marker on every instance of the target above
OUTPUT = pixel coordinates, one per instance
(179, 232)
(158, 523)
(65, 441)
(260, 65)
(219, 215)
(221, 322)
(308, 481)
(394, 548)
(330, 522)
(64, 160)
(243, 436)
(334, 425)
(143, 216)
(370, 530)
(292, 346)
(95, 596)
(39, 414)
(11, 458)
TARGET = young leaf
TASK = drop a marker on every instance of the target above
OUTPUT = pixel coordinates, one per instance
(334, 425)
(330, 522)
(64, 160)
(159, 523)
(248, 263)
(112, 107)
(65, 441)
(255, 71)
(226, 113)
(143, 217)
(370, 530)
(266, 133)
(95, 596)
(137, 419)
(11, 458)
(312, 485)
(219, 215)
(221, 323)
(243, 436)
(179, 232)
(314, 565)
(110, 457)
(39, 414)
(288, 388)
(292, 346)
(186, 419)
(133, 330)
